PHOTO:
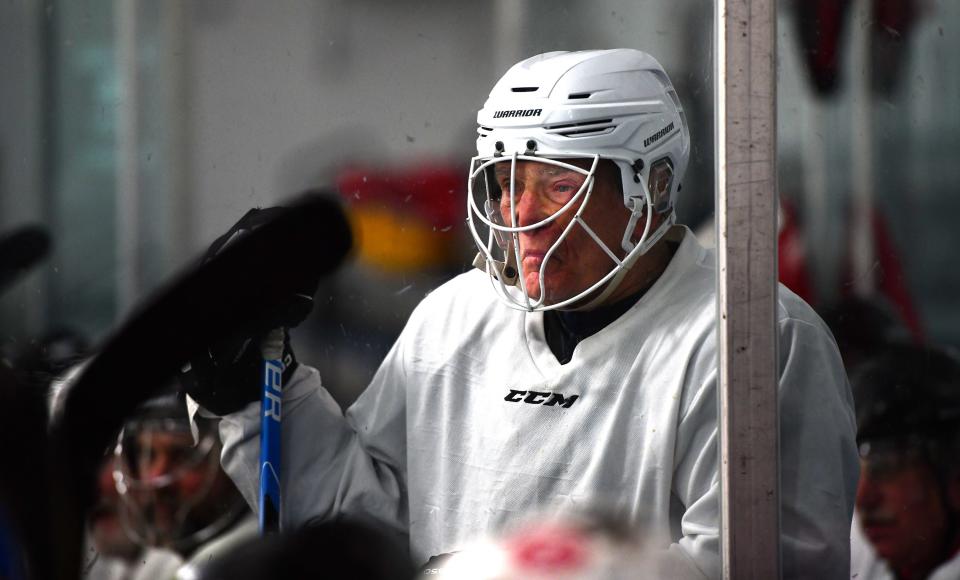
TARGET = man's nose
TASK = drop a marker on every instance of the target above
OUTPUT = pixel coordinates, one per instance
(528, 207)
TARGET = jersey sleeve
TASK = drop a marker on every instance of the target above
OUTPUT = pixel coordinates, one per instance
(333, 464)
(696, 487)
(818, 464)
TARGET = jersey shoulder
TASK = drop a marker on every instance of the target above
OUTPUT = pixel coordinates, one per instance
(470, 286)
(792, 309)
(464, 305)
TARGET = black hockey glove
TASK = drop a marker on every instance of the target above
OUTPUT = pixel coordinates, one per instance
(227, 377)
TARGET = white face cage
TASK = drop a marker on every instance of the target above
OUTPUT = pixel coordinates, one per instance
(499, 243)
(140, 493)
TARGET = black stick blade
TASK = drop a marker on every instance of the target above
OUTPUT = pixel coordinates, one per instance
(20, 250)
(220, 298)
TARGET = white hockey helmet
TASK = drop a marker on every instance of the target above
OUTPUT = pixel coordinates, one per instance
(597, 104)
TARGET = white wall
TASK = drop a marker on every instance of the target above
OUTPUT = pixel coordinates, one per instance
(283, 90)
(243, 102)
(21, 123)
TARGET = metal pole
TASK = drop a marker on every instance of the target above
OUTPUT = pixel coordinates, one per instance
(747, 278)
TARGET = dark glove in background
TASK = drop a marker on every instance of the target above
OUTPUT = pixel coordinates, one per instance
(227, 377)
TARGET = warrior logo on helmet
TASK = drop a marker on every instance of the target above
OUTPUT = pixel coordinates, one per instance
(658, 135)
(517, 113)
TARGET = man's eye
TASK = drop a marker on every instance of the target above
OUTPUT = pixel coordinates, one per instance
(518, 188)
(563, 188)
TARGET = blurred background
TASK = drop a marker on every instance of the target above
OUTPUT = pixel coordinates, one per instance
(137, 132)
(134, 133)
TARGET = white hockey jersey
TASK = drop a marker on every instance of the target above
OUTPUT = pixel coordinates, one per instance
(471, 421)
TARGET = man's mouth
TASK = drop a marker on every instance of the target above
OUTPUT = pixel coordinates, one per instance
(877, 518)
(532, 259)
(878, 525)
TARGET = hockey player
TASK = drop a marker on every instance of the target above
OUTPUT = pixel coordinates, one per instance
(174, 493)
(111, 553)
(908, 500)
(576, 365)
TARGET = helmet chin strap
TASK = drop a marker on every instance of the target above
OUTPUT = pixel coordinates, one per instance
(634, 251)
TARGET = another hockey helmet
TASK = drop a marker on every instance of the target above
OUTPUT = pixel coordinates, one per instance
(570, 110)
(908, 399)
(175, 494)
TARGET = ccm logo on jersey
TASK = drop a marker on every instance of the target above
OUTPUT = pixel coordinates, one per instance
(540, 398)
(658, 135)
(517, 113)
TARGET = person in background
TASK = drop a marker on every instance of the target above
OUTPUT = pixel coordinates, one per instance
(907, 524)
(111, 553)
(174, 493)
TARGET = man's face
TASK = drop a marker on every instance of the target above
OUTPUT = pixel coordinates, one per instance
(167, 455)
(175, 488)
(901, 508)
(106, 531)
(542, 189)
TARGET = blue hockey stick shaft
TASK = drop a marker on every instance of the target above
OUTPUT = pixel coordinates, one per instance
(270, 426)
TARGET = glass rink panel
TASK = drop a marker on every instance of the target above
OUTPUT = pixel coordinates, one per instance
(868, 132)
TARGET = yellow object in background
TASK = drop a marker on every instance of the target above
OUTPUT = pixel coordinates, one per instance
(397, 241)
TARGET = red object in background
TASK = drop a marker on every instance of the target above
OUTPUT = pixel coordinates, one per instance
(406, 219)
(892, 22)
(890, 279)
(896, 17)
(431, 192)
(820, 25)
(791, 254)
(549, 549)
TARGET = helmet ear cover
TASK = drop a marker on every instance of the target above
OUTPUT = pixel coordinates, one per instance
(659, 181)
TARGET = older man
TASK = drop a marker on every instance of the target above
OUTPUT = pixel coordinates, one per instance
(577, 364)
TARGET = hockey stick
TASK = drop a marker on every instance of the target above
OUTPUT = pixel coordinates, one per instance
(20, 250)
(206, 304)
(270, 429)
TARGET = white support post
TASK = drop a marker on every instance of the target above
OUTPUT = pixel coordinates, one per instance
(747, 277)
